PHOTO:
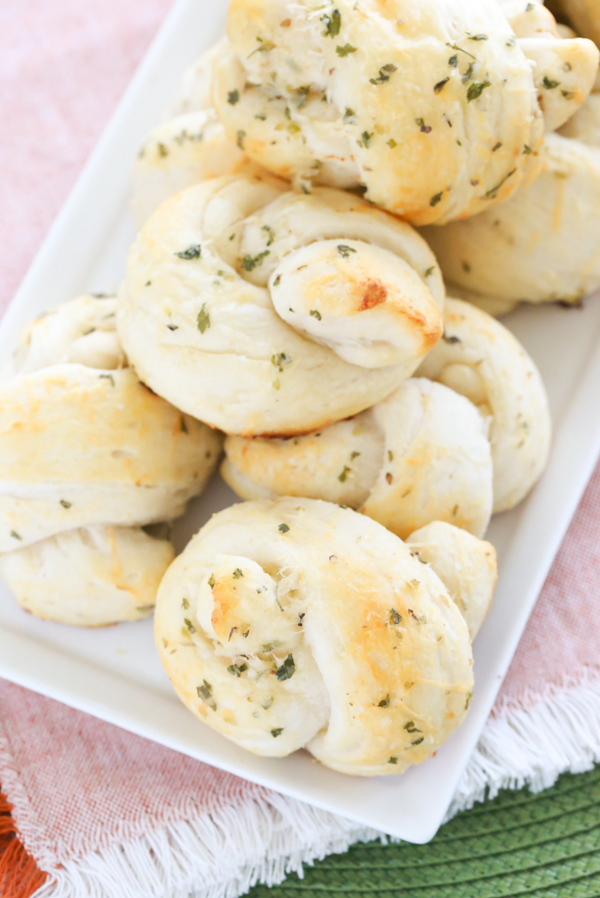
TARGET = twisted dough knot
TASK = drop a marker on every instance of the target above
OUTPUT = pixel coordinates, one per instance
(295, 623)
(259, 310)
(434, 109)
(423, 453)
(541, 245)
(482, 360)
(87, 452)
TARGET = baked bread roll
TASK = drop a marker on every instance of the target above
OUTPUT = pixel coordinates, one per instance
(262, 311)
(435, 109)
(481, 359)
(196, 87)
(421, 455)
(295, 623)
(89, 577)
(84, 447)
(183, 151)
(539, 246)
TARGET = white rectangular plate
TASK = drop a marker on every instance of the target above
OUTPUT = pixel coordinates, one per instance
(114, 673)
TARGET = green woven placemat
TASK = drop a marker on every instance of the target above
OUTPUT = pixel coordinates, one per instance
(540, 846)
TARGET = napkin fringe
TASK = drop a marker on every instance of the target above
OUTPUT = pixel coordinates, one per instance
(224, 853)
(217, 855)
(20, 876)
(532, 743)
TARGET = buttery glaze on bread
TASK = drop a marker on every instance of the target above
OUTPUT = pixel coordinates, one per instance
(84, 447)
(263, 311)
(295, 623)
(436, 108)
(421, 455)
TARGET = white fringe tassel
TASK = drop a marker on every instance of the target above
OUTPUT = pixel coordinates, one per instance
(222, 855)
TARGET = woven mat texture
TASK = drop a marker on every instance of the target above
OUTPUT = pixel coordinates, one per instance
(520, 844)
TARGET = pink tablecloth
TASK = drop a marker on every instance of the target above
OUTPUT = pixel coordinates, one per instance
(107, 813)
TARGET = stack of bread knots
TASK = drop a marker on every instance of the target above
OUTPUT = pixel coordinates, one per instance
(469, 437)
(542, 244)
(261, 310)
(89, 455)
(278, 291)
(372, 424)
(295, 623)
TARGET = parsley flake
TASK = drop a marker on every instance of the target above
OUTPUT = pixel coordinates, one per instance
(395, 618)
(385, 72)
(393, 760)
(385, 702)
(344, 475)
(205, 692)
(211, 581)
(189, 625)
(477, 37)
(436, 199)
(203, 319)
(15, 535)
(367, 137)
(459, 50)
(410, 727)
(315, 314)
(332, 23)
(108, 377)
(491, 194)
(440, 85)
(549, 84)
(65, 504)
(426, 129)
(345, 50)
(237, 573)
(192, 252)
(237, 670)
(249, 263)
(240, 139)
(233, 97)
(283, 528)
(476, 89)
(276, 732)
(345, 251)
(264, 46)
(392, 144)
(287, 669)
(280, 360)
